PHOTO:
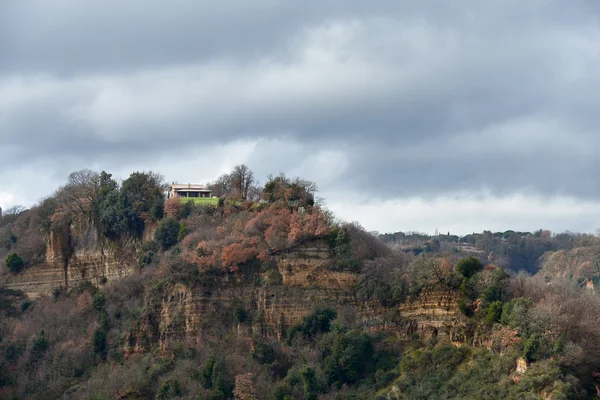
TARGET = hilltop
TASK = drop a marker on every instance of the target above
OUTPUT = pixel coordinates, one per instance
(112, 290)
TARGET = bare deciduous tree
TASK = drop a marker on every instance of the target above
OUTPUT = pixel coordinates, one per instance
(242, 179)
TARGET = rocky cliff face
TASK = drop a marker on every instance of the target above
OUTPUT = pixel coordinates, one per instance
(175, 312)
(580, 263)
(75, 254)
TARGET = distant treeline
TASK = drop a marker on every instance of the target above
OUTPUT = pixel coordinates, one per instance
(509, 249)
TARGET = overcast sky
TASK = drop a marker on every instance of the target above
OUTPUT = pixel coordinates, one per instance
(410, 115)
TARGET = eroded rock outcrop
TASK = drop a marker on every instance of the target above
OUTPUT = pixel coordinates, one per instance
(74, 254)
(175, 312)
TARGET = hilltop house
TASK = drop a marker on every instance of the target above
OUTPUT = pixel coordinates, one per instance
(188, 190)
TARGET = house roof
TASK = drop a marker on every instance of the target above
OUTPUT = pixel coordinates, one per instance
(188, 187)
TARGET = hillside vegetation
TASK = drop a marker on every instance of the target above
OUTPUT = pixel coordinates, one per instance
(264, 294)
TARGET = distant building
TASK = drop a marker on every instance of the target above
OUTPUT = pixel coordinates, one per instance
(188, 190)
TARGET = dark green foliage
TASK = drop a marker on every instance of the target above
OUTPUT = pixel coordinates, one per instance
(469, 266)
(99, 301)
(264, 353)
(99, 339)
(169, 389)
(37, 348)
(496, 291)
(281, 391)
(464, 308)
(26, 305)
(150, 245)
(14, 263)
(99, 342)
(468, 288)
(207, 371)
(534, 348)
(157, 207)
(183, 231)
(185, 210)
(13, 352)
(318, 321)
(57, 293)
(515, 314)
(118, 218)
(343, 250)
(214, 377)
(142, 190)
(239, 313)
(146, 259)
(166, 233)
(310, 383)
(349, 358)
(494, 312)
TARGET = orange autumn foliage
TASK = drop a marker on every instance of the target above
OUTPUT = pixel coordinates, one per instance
(259, 233)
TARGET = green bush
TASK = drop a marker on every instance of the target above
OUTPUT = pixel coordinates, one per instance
(185, 210)
(264, 353)
(350, 356)
(157, 207)
(183, 231)
(468, 288)
(318, 321)
(99, 301)
(515, 314)
(166, 233)
(494, 312)
(239, 313)
(310, 382)
(37, 348)
(213, 376)
(464, 308)
(99, 342)
(26, 305)
(99, 339)
(533, 345)
(145, 259)
(281, 391)
(150, 245)
(169, 389)
(14, 263)
(469, 266)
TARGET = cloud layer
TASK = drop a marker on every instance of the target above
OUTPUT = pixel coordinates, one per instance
(389, 104)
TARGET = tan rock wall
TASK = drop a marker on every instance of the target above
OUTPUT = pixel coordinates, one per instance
(74, 254)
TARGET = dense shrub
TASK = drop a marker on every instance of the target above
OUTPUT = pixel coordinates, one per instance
(349, 358)
(469, 266)
(494, 312)
(14, 263)
(318, 321)
(150, 245)
(183, 231)
(239, 313)
(167, 233)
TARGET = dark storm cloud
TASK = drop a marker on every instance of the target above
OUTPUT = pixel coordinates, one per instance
(417, 98)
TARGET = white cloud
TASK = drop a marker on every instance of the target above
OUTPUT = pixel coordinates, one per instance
(391, 108)
(467, 213)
